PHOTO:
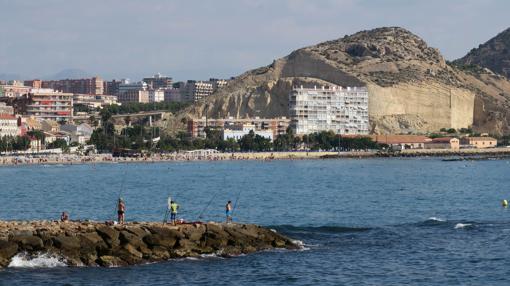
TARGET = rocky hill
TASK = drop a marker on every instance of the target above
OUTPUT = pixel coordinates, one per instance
(412, 88)
(494, 54)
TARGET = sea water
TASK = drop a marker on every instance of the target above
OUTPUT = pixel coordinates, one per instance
(360, 222)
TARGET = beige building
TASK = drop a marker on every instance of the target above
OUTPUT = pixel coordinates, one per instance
(479, 142)
(134, 95)
(443, 143)
(50, 104)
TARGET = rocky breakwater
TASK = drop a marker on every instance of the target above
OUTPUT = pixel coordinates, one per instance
(98, 244)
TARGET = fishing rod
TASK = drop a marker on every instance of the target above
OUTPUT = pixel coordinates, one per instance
(237, 198)
(215, 194)
(120, 193)
(168, 207)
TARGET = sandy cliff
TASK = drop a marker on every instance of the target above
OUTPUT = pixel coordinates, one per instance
(412, 88)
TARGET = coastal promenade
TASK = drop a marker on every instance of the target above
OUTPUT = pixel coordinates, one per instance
(266, 156)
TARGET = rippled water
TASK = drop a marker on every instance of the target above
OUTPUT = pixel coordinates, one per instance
(363, 222)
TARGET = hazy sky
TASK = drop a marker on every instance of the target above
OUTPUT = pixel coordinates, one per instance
(191, 39)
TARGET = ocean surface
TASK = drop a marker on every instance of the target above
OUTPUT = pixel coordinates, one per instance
(362, 222)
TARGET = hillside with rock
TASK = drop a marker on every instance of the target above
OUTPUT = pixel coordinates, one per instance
(412, 88)
(494, 55)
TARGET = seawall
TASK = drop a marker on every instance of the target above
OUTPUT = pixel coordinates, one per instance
(98, 244)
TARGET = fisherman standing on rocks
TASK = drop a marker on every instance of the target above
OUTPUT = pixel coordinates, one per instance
(228, 211)
(121, 209)
(173, 211)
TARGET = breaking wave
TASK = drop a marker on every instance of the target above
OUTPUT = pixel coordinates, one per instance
(463, 225)
(41, 260)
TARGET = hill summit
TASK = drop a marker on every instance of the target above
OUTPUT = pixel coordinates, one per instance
(494, 54)
(412, 89)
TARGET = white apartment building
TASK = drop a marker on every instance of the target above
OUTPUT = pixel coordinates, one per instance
(197, 90)
(238, 133)
(156, 95)
(341, 110)
(8, 125)
(49, 104)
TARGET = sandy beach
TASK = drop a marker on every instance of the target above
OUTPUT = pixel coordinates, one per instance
(267, 156)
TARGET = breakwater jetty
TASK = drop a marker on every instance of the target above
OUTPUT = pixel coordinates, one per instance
(99, 244)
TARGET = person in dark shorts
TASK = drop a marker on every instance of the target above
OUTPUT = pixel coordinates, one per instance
(228, 211)
(121, 210)
(173, 211)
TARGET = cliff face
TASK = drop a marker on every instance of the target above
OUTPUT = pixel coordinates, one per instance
(97, 244)
(412, 88)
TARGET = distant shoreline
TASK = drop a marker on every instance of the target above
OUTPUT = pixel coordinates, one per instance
(65, 159)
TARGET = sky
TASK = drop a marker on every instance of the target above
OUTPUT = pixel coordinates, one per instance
(199, 39)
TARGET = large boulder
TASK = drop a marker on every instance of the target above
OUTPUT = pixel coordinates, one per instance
(28, 242)
(109, 235)
(159, 240)
(7, 250)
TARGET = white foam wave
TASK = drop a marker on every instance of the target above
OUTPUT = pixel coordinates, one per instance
(436, 219)
(300, 244)
(462, 225)
(41, 260)
(211, 255)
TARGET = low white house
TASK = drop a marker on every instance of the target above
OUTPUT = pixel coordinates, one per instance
(78, 133)
(238, 133)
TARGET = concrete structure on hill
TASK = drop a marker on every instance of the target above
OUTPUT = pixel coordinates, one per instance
(277, 126)
(193, 90)
(341, 110)
(84, 86)
(8, 125)
(237, 132)
(49, 104)
(479, 142)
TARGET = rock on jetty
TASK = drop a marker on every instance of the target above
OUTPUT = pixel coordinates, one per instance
(99, 244)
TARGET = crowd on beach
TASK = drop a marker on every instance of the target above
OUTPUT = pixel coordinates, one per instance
(168, 157)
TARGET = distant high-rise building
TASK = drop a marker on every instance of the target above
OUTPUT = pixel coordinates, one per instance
(112, 87)
(83, 86)
(36, 83)
(158, 81)
(341, 110)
